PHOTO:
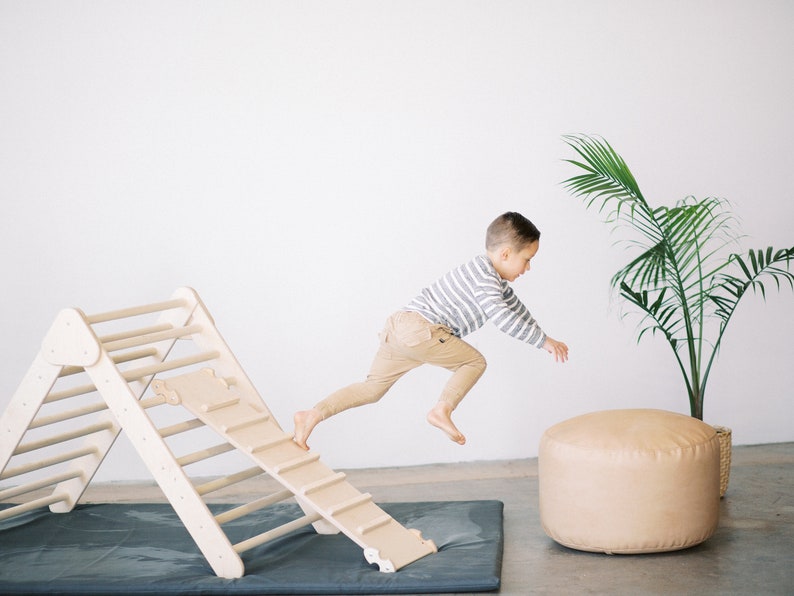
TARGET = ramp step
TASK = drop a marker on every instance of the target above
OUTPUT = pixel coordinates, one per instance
(374, 524)
(211, 407)
(323, 483)
(344, 506)
(298, 462)
(270, 444)
(230, 428)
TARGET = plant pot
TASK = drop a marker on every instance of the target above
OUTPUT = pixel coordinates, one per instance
(724, 437)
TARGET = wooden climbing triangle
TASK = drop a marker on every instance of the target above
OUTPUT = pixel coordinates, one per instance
(98, 375)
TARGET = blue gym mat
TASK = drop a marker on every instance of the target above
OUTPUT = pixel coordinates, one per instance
(144, 549)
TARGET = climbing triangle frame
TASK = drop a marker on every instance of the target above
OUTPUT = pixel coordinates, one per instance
(98, 375)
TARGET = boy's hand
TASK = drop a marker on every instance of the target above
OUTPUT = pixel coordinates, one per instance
(557, 349)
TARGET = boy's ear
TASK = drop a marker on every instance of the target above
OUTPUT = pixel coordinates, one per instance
(504, 253)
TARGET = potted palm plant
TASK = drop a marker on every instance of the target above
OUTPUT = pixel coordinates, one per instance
(684, 280)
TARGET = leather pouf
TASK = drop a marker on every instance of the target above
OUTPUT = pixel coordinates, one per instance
(629, 481)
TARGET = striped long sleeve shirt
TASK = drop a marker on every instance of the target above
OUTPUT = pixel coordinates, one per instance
(466, 297)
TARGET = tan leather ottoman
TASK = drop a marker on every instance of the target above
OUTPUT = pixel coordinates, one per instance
(629, 481)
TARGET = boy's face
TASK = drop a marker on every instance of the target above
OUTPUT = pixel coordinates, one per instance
(511, 263)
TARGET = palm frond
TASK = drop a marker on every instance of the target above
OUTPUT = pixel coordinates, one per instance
(758, 267)
(679, 280)
(609, 184)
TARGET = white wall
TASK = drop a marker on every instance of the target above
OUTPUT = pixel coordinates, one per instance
(309, 166)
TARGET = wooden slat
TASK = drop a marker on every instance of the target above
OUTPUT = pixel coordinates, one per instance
(135, 311)
(277, 532)
(31, 505)
(243, 510)
(46, 463)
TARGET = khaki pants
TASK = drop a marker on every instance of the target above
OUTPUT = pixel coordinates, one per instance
(407, 341)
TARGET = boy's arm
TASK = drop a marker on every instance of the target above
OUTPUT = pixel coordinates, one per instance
(510, 315)
(557, 349)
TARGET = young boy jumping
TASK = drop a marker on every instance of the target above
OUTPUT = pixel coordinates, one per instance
(428, 330)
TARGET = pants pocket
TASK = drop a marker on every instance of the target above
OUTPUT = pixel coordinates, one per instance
(410, 329)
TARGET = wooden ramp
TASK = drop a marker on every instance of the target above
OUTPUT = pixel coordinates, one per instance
(89, 383)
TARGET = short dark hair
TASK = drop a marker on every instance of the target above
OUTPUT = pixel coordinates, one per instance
(513, 229)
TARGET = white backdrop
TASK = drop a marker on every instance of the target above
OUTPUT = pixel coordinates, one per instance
(309, 166)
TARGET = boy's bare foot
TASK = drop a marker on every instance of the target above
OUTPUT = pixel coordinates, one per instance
(441, 417)
(305, 422)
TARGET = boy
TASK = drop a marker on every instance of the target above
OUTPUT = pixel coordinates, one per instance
(428, 330)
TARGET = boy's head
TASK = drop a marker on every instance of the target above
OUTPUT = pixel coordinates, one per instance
(511, 241)
(511, 229)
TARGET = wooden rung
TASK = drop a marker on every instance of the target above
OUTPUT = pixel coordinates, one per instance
(151, 338)
(349, 504)
(243, 510)
(118, 359)
(226, 403)
(23, 489)
(270, 444)
(230, 428)
(152, 402)
(63, 437)
(276, 532)
(180, 427)
(31, 505)
(103, 339)
(323, 483)
(229, 480)
(374, 524)
(69, 414)
(46, 463)
(297, 462)
(67, 393)
(134, 355)
(135, 311)
(197, 456)
(145, 371)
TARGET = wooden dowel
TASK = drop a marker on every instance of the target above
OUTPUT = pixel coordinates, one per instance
(152, 402)
(103, 339)
(196, 456)
(61, 438)
(22, 489)
(180, 427)
(118, 359)
(67, 393)
(151, 338)
(134, 355)
(83, 389)
(135, 311)
(144, 371)
(31, 505)
(68, 415)
(227, 481)
(261, 503)
(276, 532)
(45, 463)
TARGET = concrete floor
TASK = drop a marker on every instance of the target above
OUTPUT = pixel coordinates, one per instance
(752, 551)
